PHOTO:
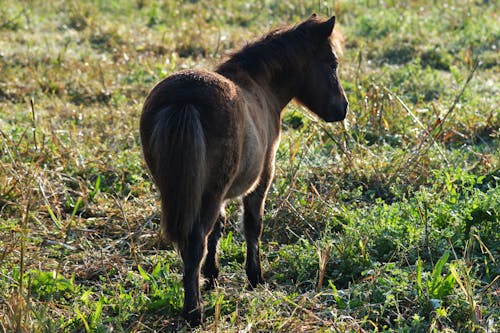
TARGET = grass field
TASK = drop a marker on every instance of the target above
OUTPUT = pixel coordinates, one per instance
(386, 222)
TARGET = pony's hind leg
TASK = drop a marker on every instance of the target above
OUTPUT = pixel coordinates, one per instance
(211, 265)
(192, 253)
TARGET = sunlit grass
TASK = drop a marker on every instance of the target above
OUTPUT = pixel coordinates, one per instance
(387, 222)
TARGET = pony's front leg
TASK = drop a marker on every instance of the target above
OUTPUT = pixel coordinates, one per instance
(253, 205)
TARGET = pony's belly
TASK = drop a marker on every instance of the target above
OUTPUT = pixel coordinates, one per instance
(241, 186)
(256, 138)
(249, 170)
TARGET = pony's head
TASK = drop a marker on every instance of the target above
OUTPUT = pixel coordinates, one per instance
(320, 89)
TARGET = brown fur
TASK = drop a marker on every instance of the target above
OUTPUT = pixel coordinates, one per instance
(211, 136)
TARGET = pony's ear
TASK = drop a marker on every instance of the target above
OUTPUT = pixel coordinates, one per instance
(326, 28)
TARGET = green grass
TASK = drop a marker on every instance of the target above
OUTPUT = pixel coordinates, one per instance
(387, 222)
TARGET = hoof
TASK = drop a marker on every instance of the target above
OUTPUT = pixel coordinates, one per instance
(255, 281)
(210, 273)
(210, 284)
(193, 318)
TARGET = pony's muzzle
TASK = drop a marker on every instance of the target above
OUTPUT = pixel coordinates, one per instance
(338, 111)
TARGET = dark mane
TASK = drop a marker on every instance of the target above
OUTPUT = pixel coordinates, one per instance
(279, 49)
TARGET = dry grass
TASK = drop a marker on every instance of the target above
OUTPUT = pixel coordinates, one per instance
(412, 173)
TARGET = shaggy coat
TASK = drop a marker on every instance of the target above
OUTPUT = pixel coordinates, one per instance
(212, 136)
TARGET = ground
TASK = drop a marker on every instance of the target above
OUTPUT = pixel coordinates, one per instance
(388, 221)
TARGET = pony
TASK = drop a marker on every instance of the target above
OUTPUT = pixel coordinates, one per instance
(212, 136)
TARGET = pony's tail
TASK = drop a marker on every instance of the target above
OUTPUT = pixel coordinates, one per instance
(178, 148)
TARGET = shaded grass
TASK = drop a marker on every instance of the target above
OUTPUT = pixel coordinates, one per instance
(368, 207)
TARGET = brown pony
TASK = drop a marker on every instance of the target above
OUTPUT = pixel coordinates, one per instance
(212, 136)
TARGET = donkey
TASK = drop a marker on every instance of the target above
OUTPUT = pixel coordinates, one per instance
(211, 136)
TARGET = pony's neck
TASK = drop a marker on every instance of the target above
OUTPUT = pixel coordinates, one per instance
(274, 63)
(279, 86)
